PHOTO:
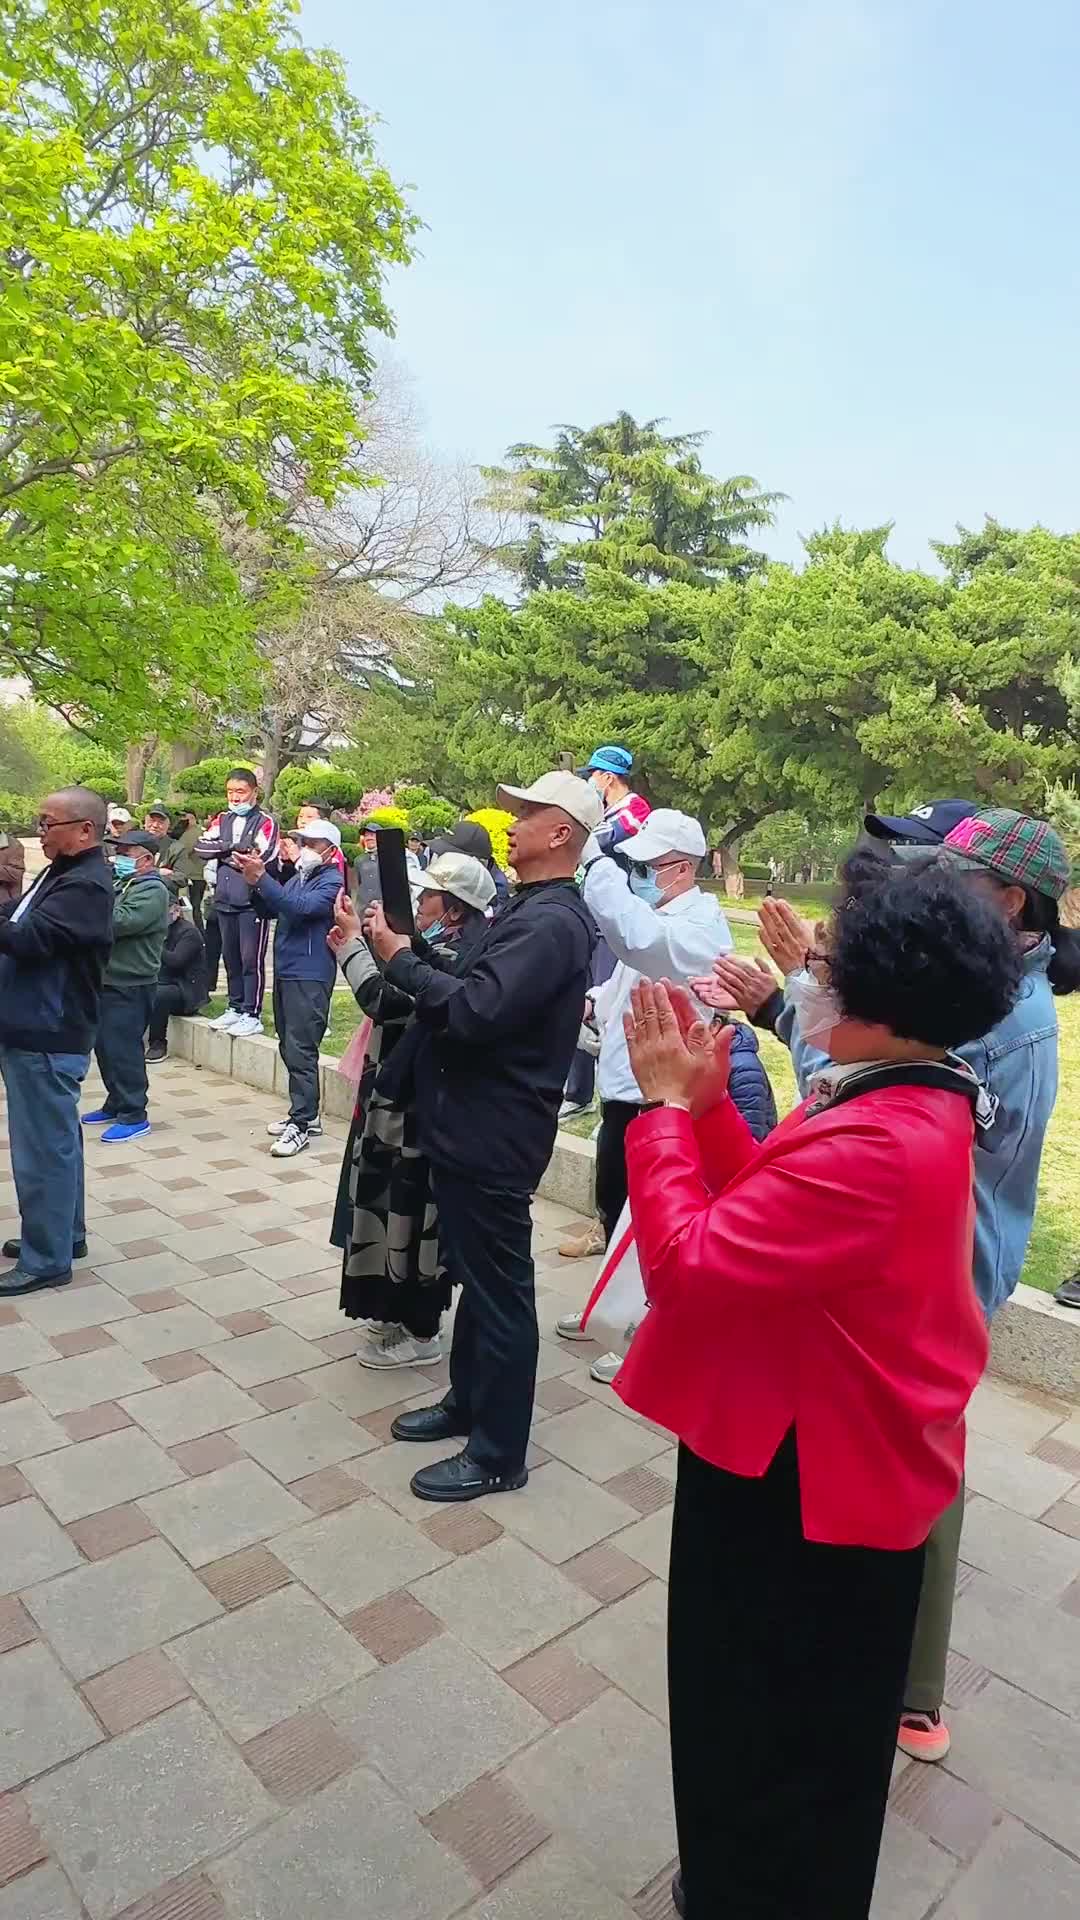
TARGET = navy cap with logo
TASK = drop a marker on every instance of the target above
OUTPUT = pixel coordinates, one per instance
(924, 826)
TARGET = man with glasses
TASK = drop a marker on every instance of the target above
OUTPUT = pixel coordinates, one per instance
(54, 945)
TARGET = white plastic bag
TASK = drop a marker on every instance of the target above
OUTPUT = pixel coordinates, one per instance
(617, 1304)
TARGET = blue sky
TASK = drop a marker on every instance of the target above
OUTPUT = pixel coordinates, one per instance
(839, 234)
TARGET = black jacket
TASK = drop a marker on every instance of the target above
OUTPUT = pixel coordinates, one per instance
(183, 963)
(52, 959)
(498, 1037)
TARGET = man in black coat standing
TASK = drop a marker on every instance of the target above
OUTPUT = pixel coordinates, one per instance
(488, 1071)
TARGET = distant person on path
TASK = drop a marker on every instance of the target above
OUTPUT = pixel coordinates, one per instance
(245, 827)
(54, 943)
(181, 986)
(12, 867)
(187, 870)
(304, 970)
(368, 887)
(140, 924)
(494, 1045)
(156, 822)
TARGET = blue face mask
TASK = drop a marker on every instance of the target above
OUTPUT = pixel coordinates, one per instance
(123, 866)
(241, 806)
(436, 931)
(646, 886)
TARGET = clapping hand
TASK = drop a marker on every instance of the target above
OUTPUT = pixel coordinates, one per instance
(674, 1056)
(346, 918)
(786, 938)
(736, 984)
(250, 867)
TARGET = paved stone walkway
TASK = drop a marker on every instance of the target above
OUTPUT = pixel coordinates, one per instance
(245, 1676)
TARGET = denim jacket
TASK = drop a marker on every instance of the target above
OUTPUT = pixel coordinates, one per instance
(1018, 1062)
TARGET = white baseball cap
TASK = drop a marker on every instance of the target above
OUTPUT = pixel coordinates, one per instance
(665, 831)
(316, 830)
(462, 876)
(567, 791)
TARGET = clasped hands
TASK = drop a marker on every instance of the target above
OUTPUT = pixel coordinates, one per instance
(674, 1056)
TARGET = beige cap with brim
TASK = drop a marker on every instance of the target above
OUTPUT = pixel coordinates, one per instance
(564, 790)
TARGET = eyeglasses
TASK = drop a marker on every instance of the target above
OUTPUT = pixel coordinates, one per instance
(46, 826)
(660, 866)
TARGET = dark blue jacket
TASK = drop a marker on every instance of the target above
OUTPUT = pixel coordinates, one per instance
(52, 959)
(749, 1084)
(304, 911)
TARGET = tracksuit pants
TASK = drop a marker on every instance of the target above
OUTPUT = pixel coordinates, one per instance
(244, 938)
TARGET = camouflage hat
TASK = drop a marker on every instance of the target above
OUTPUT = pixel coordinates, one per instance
(1022, 851)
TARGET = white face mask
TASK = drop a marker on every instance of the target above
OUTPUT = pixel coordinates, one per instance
(307, 860)
(817, 1008)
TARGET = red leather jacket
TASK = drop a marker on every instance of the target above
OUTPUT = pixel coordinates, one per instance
(821, 1278)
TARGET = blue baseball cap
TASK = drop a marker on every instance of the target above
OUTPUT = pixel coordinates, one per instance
(609, 760)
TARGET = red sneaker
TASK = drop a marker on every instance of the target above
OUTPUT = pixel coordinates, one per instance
(923, 1736)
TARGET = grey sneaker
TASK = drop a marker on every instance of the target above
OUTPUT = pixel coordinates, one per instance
(291, 1141)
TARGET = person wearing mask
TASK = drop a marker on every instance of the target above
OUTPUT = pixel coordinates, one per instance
(473, 838)
(304, 970)
(140, 923)
(244, 828)
(309, 815)
(156, 822)
(368, 885)
(12, 868)
(181, 986)
(394, 1279)
(1020, 867)
(187, 870)
(54, 943)
(660, 926)
(212, 925)
(494, 1042)
(813, 1339)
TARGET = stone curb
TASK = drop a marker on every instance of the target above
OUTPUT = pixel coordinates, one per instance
(1034, 1342)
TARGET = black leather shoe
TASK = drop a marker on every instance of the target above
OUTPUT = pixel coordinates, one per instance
(15, 1280)
(461, 1479)
(1068, 1295)
(678, 1897)
(11, 1250)
(426, 1423)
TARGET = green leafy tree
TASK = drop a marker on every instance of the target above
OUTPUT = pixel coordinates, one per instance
(194, 228)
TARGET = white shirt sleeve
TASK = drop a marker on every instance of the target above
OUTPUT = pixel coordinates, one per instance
(661, 945)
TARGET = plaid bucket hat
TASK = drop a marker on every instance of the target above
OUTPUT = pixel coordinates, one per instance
(1020, 850)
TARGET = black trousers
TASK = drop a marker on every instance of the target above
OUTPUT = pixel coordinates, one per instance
(168, 997)
(301, 1011)
(486, 1239)
(195, 892)
(212, 943)
(243, 948)
(771, 1636)
(125, 1013)
(615, 1117)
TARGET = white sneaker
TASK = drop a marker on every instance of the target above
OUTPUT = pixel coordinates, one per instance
(226, 1021)
(606, 1368)
(246, 1024)
(568, 1327)
(399, 1349)
(276, 1127)
(290, 1141)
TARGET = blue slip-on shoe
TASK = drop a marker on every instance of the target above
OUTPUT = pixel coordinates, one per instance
(130, 1131)
(99, 1118)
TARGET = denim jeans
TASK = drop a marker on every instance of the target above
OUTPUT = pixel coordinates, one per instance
(46, 1153)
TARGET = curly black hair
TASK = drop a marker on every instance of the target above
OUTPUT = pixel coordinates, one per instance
(921, 954)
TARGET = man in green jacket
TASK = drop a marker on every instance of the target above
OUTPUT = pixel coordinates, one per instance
(140, 923)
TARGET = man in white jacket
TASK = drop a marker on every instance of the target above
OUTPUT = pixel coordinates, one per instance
(660, 926)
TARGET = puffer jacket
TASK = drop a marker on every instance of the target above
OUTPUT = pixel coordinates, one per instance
(749, 1084)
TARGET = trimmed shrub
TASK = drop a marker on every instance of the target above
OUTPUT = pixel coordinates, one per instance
(498, 824)
(328, 786)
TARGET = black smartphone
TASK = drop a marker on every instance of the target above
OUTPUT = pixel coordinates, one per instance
(394, 880)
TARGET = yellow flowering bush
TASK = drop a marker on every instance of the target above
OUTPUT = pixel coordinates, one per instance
(498, 825)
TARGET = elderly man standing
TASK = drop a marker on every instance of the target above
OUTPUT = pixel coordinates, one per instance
(493, 1044)
(54, 944)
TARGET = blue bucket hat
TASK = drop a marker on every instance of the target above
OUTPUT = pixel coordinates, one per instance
(609, 760)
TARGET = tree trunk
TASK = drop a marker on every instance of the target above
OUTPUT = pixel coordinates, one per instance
(139, 755)
(181, 756)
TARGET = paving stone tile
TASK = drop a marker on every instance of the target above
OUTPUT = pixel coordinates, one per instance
(551, 1882)
(489, 1828)
(244, 1576)
(646, 1488)
(16, 1626)
(275, 1395)
(42, 1895)
(297, 1757)
(393, 1626)
(360, 1390)
(649, 1542)
(42, 1719)
(204, 1403)
(101, 1614)
(263, 1664)
(251, 1321)
(1014, 1479)
(433, 1721)
(157, 1302)
(355, 1556)
(232, 1293)
(27, 1430)
(504, 1601)
(556, 1682)
(83, 1340)
(1024, 1754)
(1035, 1646)
(23, 1346)
(351, 1850)
(342, 1346)
(92, 1422)
(1016, 1872)
(207, 1243)
(561, 1514)
(1019, 1551)
(67, 1308)
(32, 1546)
(146, 1808)
(146, 1223)
(290, 1258)
(135, 1691)
(148, 1273)
(205, 1455)
(101, 1473)
(21, 1845)
(12, 1486)
(312, 1315)
(69, 1386)
(178, 1330)
(10, 1388)
(327, 1490)
(623, 1826)
(109, 1532)
(256, 1357)
(190, 1898)
(964, 1678)
(654, 1902)
(598, 1441)
(302, 1439)
(222, 1512)
(628, 1643)
(171, 1367)
(953, 1815)
(913, 1874)
(605, 1572)
(1060, 1454)
(1002, 1416)
(461, 1529)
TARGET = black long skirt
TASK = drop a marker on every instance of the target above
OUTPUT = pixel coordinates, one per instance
(786, 1667)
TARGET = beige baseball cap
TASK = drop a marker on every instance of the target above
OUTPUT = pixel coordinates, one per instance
(462, 876)
(567, 791)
